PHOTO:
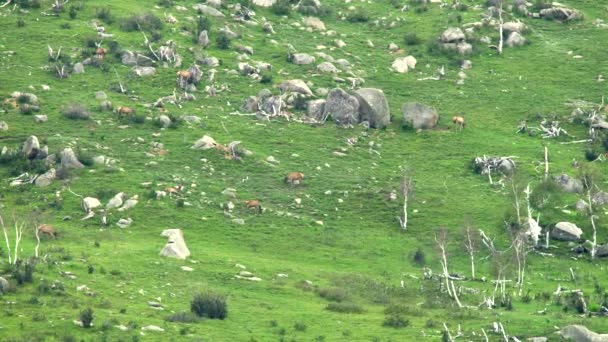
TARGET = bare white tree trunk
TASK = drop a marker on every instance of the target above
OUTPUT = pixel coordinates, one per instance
(546, 163)
(37, 242)
(516, 196)
(450, 338)
(500, 23)
(471, 246)
(18, 235)
(441, 244)
(406, 188)
(8, 245)
(591, 218)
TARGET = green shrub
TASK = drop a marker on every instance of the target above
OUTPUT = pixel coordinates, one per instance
(419, 257)
(86, 317)
(266, 78)
(203, 23)
(222, 41)
(395, 321)
(411, 39)
(28, 3)
(20, 23)
(165, 3)
(183, 317)
(104, 14)
(73, 12)
(345, 307)
(76, 112)
(281, 7)
(146, 22)
(209, 304)
(357, 16)
(65, 26)
(299, 326)
(334, 294)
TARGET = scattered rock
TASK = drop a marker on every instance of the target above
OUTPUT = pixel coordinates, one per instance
(78, 68)
(238, 221)
(251, 105)
(31, 147)
(46, 178)
(204, 143)
(3, 126)
(272, 160)
(144, 71)
(566, 231)
(373, 107)
(100, 96)
(327, 67)
(203, 39)
(39, 118)
(302, 59)
(69, 159)
(342, 107)
(314, 22)
(152, 328)
(419, 116)
(513, 26)
(404, 64)
(601, 251)
(296, 86)
(315, 109)
(124, 223)
(452, 35)
(208, 10)
(600, 198)
(515, 39)
(187, 269)
(580, 333)
(176, 245)
(569, 184)
(263, 3)
(164, 121)
(560, 14)
(4, 285)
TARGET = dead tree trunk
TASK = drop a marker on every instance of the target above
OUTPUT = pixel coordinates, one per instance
(471, 243)
(546, 163)
(500, 23)
(8, 245)
(406, 189)
(441, 239)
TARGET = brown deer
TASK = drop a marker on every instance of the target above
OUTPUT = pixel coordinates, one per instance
(174, 190)
(100, 52)
(47, 229)
(294, 178)
(254, 204)
(125, 111)
(183, 77)
(458, 120)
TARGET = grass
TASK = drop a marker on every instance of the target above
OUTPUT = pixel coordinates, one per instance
(359, 248)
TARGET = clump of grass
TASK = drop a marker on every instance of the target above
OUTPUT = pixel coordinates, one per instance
(411, 39)
(28, 3)
(104, 14)
(345, 307)
(334, 294)
(76, 111)
(357, 16)
(86, 317)
(183, 317)
(209, 304)
(395, 321)
(145, 22)
(223, 41)
(281, 7)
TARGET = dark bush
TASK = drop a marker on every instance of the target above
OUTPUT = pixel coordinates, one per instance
(65, 26)
(76, 112)
(28, 3)
(266, 78)
(395, 321)
(222, 41)
(147, 22)
(345, 308)
(104, 14)
(281, 7)
(183, 317)
(334, 294)
(357, 16)
(165, 3)
(20, 23)
(73, 12)
(209, 304)
(28, 109)
(299, 326)
(421, 9)
(411, 39)
(86, 317)
(203, 23)
(419, 257)
(90, 42)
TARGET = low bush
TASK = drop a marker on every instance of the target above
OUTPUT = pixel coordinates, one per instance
(334, 294)
(411, 39)
(209, 304)
(146, 22)
(281, 7)
(183, 317)
(86, 317)
(104, 14)
(222, 41)
(357, 16)
(395, 321)
(76, 112)
(345, 308)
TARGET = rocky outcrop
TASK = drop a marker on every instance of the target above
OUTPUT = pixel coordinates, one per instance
(176, 245)
(419, 116)
(566, 231)
(373, 107)
(342, 107)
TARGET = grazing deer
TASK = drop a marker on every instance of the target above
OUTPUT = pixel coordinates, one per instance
(183, 77)
(125, 111)
(254, 204)
(173, 190)
(100, 52)
(47, 229)
(458, 120)
(294, 178)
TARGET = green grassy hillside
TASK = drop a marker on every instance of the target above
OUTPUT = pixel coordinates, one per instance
(335, 238)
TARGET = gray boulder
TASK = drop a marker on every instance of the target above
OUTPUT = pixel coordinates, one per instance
(4, 286)
(327, 67)
(566, 231)
(263, 3)
(31, 146)
(315, 109)
(419, 116)
(144, 71)
(561, 14)
(209, 61)
(272, 104)
(208, 10)
(78, 68)
(105, 105)
(581, 206)
(302, 59)
(602, 251)
(296, 86)
(69, 159)
(569, 184)
(46, 178)
(164, 121)
(600, 198)
(251, 105)
(131, 58)
(3, 126)
(373, 107)
(515, 39)
(514, 26)
(176, 245)
(203, 39)
(100, 95)
(452, 35)
(580, 333)
(342, 107)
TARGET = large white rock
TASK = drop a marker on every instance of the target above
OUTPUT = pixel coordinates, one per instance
(46, 178)
(315, 23)
(566, 231)
(90, 203)
(580, 333)
(204, 143)
(176, 245)
(208, 10)
(404, 64)
(263, 3)
(296, 86)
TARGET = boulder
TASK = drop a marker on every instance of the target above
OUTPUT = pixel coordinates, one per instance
(373, 107)
(90, 203)
(263, 3)
(466, 64)
(296, 86)
(566, 231)
(164, 121)
(78, 68)
(193, 119)
(31, 146)
(69, 159)
(506, 166)
(124, 223)
(203, 39)
(208, 10)
(342, 107)
(132, 58)
(581, 206)
(272, 104)
(419, 116)
(601, 251)
(154, 328)
(515, 39)
(464, 48)
(46, 178)
(580, 333)
(600, 198)
(204, 143)
(327, 67)
(176, 245)
(144, 71)
(561, 14)
(513, 26)
(569, 184)
(28, 97)
(209, 61)
(251, 105)
(215, 3)
(268, 28)
(452, 35)
(302, 59)
(100, 95)
(314, 22)
(404, 64)
(3, 126)
(315, 109)
(105, 105)
(4, 286)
